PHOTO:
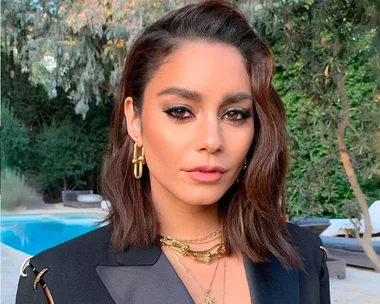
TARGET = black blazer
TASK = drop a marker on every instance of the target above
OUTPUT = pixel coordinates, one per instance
(87, 271)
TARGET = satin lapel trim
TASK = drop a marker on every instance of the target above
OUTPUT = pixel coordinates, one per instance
(144, 276)
(269, 283)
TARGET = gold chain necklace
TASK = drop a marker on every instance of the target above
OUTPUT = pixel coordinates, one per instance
(207, 241)
(200, 256)
(199, 240)
(206, 292)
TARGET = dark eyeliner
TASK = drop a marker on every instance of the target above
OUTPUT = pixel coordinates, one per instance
(171, 110)
(246, 114)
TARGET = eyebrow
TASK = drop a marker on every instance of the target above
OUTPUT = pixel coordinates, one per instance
(193, 95)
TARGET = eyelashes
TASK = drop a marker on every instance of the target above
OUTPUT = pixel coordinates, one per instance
(183, 113)
(180, 113)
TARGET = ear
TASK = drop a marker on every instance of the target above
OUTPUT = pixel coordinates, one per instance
(133, 121)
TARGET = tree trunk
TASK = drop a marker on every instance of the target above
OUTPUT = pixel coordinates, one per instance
(366, 240)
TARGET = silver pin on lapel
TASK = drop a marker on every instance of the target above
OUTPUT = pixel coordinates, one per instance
(325, 252)
(23, 267)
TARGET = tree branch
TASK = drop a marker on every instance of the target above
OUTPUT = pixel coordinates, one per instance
(366, 240)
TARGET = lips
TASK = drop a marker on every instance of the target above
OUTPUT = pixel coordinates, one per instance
(206, 174)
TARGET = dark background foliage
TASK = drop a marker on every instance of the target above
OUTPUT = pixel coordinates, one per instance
(55, 120)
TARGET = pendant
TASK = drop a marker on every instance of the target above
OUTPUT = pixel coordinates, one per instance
(208, 298)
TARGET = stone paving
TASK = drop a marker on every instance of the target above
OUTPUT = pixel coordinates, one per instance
(11, 260)
(360, 286)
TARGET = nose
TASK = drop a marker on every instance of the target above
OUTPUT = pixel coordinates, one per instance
(209, 135)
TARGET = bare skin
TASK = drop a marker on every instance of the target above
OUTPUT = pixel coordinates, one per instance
(236, 286)
(181, 132)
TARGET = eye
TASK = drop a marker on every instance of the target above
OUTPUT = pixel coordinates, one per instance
(180, 113)
(237, 115)
(234, 115)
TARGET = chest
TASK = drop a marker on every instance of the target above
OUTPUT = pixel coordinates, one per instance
(223, 281)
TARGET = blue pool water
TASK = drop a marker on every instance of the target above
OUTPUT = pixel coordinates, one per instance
(35, 233)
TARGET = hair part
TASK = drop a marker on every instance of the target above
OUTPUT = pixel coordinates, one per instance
(251, 212)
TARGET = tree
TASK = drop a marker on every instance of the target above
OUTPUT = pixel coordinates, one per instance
(37, 131)
(322, 39)
(77, 45)
(15, 142)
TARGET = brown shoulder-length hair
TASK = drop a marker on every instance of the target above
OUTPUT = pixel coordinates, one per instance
(252, 211)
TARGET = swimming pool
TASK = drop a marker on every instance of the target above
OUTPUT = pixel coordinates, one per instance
(35, 233)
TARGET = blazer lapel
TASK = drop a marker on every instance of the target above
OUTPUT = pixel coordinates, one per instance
(143, 275)
(269, 283)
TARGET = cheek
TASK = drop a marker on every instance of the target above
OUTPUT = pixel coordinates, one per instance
(163, 146)
(237, 144)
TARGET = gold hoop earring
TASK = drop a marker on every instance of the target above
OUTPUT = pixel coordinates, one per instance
(138, 161)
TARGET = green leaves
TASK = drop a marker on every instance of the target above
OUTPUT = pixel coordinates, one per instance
(72, 52)
(312, 41)
(94, 35)
(65, 152)
(15, 142)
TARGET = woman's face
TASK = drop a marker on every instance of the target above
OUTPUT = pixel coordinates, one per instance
(196, 124)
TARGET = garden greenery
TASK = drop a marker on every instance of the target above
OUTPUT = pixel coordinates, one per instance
(61, 62)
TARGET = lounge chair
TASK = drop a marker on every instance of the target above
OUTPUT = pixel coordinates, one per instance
(340, 226)
(81, 199)
(349, 250)
(315, 224)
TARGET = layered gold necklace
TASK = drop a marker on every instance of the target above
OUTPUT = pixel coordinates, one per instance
(200, 256)
(216, 252)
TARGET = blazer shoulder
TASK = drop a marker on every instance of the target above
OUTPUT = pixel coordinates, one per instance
(89, 247)
(308, 245)
(302, 235)
(314, 256)
(65, 265)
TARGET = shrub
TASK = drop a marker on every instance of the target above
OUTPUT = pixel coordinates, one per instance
(14, 192)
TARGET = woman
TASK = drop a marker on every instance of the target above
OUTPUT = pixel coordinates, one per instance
(195, 175)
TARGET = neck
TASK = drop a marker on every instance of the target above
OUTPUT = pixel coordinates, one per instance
(182, 220)
(187, 222)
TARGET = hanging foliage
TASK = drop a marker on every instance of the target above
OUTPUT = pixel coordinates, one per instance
(77, 45)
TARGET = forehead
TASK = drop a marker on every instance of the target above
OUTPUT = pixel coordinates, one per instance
(212, 69)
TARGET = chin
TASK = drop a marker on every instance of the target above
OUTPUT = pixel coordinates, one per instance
(201, 197)
(200, 203)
